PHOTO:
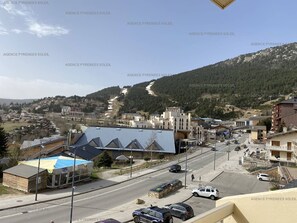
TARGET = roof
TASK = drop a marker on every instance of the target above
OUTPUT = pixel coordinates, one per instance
(290, 101)
(86, 152)
(55, 162)
(24, 171)
(37, 142)
(121, 138)
(259, 117)
(258, 127)
(281, 133)
(292, 184)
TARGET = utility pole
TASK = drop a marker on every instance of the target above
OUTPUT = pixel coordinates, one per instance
(37, 175)
(72, 191)
(186, 166)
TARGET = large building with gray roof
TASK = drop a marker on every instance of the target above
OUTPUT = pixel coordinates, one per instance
(118, 141)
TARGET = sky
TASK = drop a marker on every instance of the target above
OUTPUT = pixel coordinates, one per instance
(77, 47)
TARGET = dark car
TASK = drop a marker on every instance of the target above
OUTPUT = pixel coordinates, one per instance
(181, 210)
(237, 148)
(175, 168)
(109, 220)
(152, 214)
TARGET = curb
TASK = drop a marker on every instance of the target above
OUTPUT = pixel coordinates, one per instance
(95, 189)
(215, 177)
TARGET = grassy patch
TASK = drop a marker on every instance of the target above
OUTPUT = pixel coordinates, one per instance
(10, 126)
(3, 190)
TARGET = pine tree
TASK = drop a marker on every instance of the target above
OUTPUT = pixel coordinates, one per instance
(3, 142)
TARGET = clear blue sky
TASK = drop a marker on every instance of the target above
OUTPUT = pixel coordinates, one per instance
(76, 47)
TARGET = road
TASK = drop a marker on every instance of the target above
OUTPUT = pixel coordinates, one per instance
(104, 199)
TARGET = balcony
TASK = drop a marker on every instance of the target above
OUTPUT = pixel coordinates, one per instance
(282, 160)
(280, 148)
(271, 206)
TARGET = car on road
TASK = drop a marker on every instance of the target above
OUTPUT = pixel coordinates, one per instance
(152, 214)
(175, 168)
(263, 176)
(180, 210)
(207, 191)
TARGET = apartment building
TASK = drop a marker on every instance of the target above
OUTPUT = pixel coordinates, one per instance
(175, 118)
(284, 114)
(282, 147)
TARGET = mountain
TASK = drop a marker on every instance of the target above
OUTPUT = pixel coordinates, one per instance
(246, 81)
(105, 94)
(15, 101)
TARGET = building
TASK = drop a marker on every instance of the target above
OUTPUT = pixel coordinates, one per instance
(258, 134)
(242, 122)
(23, 178)
(271, 206)
(140, 124)
(197, 130)
(254, 120)
(60, 169)
(284, 114)
(175, 118)
(46, 146)
(282, 147)
(124, 141)
(65, 110)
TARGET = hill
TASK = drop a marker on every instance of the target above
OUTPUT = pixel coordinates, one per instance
(15, 101)
(246, 81)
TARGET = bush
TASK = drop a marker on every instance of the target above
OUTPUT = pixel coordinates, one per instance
(161, 156)
(147, 158)
(104, 160)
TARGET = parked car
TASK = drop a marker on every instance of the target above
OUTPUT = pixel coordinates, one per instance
(207, 191)
(181, 210)
(263, 176)
(237, 148)
(152, 214)
(109, 220)
(175, 168)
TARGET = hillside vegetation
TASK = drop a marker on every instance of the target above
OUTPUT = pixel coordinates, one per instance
(246, 81)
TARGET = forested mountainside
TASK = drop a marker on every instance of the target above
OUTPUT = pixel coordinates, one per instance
(245, 81)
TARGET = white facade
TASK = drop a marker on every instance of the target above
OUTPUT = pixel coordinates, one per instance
(65, 110)
(175, 118)
(282, 147)
(140, 124)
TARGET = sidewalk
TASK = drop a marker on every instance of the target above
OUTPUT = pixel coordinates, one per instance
(123, 212)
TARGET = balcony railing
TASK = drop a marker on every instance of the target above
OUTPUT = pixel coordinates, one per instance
(279, 148)
(289, 160)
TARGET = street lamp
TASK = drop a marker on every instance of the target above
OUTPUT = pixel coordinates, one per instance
(131, 162)
(214, 157)
(72, 191)
(37, 175)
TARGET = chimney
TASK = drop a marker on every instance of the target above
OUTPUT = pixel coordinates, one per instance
(285, 129)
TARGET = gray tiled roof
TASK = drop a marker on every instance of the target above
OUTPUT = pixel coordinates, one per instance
(25, 171)
(145, 137)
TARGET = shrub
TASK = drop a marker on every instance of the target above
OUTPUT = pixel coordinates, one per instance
(147, 158)
(161, 156)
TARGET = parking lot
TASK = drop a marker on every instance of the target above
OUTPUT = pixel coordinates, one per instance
(228, 184)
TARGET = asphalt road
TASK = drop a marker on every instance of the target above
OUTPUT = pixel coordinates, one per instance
(104, 199)
(98, 201)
